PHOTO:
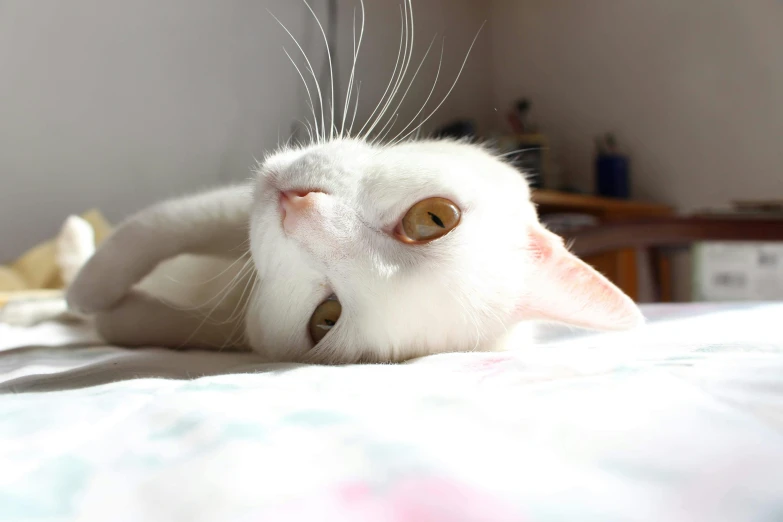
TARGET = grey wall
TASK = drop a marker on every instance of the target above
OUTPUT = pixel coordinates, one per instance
(115, 103)
(694, 88)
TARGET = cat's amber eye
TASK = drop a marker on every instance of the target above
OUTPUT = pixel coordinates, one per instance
(429, 219)
(324, 318)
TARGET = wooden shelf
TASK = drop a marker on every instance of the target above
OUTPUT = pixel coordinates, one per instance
(609, 208)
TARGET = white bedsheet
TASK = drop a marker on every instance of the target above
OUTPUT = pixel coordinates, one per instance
(680, 421)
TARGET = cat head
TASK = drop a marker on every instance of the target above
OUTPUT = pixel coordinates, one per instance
(383, 253)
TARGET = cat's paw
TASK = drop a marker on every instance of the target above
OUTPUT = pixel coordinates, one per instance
(98, 286)
(87, 295)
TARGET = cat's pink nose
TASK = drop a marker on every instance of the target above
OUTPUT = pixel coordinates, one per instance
(296, 200)
(294, 204)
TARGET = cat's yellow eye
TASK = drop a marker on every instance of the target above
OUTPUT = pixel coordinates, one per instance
(429, 219)
(324, 318)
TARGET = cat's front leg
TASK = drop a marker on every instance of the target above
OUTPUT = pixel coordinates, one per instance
(211, 223)
(140, 320)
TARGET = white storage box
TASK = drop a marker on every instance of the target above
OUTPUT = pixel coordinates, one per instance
(738, 271)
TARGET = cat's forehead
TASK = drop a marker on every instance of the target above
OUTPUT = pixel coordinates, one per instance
(391, 176)
(336, 155)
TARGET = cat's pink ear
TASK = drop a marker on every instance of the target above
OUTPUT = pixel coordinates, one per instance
(565, 289)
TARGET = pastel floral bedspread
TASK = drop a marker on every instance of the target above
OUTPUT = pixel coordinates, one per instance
(679, 421)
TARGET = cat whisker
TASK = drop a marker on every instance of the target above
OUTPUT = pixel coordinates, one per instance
(291, 136)
(391, 80)
(334, 130)
(355, 108)
(220, 295)
(429, 96)
(459, 75)
(410, 55)
(240, 306)
(390, 126)
(399, 104)
(517, 151)
(237, 330)
(470, 315)
(407, 58)
(350, 79)
(225, 292)
(242, 247)
(415, 75)
(356, 49)
(497, 319)
(331, 68)
(307, 127)
(307, 87)
(191, 284)
(312, 72)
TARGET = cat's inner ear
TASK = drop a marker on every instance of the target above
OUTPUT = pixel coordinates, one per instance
(565, 289)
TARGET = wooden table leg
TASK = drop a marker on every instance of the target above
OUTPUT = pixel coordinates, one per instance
(620, 268)
(627, 277)
(662, 274)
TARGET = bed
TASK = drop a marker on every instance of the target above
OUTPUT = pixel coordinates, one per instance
(679, 421)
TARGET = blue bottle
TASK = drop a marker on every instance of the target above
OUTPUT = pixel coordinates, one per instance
(612, 176)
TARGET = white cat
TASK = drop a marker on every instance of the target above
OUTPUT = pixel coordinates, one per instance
(357, 252)
(343, 251)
